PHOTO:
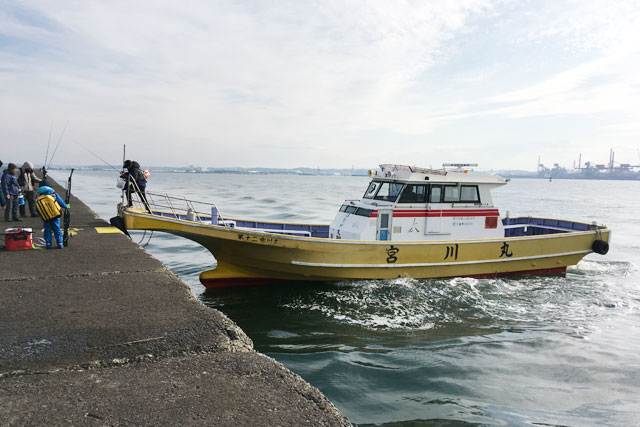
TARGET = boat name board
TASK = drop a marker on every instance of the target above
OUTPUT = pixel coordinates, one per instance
(451, 252)
(267, 240)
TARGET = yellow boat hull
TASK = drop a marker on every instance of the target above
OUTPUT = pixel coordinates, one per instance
(249, 257)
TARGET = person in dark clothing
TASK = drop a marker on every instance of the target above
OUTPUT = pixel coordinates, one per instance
(10, 192)
(44, 182)
(135, 181)
(3, 202)
(28, 181)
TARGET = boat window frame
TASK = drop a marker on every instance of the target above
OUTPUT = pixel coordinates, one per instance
(377, 185)
(351, 209)
(389, 183)
(444, 193)
(364, 212)
(405, 189)
(468, 200)
(384, 220)
(431, 187)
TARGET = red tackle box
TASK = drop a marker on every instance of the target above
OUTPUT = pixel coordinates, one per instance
(17, 239)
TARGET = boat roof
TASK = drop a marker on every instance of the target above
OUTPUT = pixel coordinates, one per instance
(417, 174)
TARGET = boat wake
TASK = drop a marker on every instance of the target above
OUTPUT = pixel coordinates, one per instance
(589, 267)
(567, 303)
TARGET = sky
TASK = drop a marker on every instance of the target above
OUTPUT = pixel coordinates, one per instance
(329, 84)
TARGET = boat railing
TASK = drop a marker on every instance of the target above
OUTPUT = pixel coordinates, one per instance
(176, 206)
(179, 207)
(528, 226)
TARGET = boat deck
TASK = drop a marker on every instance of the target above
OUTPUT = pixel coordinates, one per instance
(529, 226)
(513, 227)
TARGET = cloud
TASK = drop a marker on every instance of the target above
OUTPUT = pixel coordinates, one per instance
(244, 82)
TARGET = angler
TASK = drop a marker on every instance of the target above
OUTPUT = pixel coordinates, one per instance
(50, 206)
(136, 181)
(28, 181)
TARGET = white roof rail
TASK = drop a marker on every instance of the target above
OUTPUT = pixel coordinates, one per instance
(412, 169)
(459, 165)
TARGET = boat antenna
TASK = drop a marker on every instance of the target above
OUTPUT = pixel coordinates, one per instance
(58, 144)
(48, 144)
(96, 156)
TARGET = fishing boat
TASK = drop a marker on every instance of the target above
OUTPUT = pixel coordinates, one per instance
(410, 222)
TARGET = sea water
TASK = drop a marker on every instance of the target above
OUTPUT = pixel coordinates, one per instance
(546, 350)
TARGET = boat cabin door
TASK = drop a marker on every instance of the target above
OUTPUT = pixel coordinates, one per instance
(385, 217)
(433, 224)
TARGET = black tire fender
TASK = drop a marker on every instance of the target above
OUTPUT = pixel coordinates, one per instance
(118, 222)
(600, 247)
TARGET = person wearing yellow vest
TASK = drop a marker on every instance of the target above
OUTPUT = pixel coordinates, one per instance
(50, 206)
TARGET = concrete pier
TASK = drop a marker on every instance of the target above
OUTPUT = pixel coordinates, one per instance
(101, 333)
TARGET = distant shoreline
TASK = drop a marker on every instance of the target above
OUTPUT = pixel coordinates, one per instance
(334, 172)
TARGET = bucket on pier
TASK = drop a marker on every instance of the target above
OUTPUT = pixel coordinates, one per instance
(17, 239)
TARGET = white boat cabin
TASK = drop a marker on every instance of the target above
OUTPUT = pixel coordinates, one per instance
(410, 203)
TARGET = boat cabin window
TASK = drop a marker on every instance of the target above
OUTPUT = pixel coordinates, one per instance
(372, 190)
(364, 212)
(469, 193)
(435, 195)
(462, 194)
(348, 208)
(389, 191)
(451, 193)
(413, 193)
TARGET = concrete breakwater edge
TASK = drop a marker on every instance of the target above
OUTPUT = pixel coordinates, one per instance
(102, 333)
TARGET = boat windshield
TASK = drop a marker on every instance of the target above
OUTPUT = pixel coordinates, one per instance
(389, 191)
(372, 190)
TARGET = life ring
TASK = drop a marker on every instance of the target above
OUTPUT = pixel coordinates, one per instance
(600, 247)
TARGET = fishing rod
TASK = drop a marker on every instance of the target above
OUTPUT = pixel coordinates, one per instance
(46, 157)
(67, 214)
(58, 144)
(124, 156)
(48, 144)
(96, 156)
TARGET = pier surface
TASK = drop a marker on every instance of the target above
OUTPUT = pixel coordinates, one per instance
(101, 333)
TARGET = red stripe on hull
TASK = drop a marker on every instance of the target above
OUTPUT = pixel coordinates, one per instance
(446, 210)
(439, 214)
(256, 281)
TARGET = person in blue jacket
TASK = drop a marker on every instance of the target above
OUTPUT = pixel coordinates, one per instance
(50, 206)
(3, 199)
(10, 192)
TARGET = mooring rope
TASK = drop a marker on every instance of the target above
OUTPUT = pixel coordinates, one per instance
(144, 235)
